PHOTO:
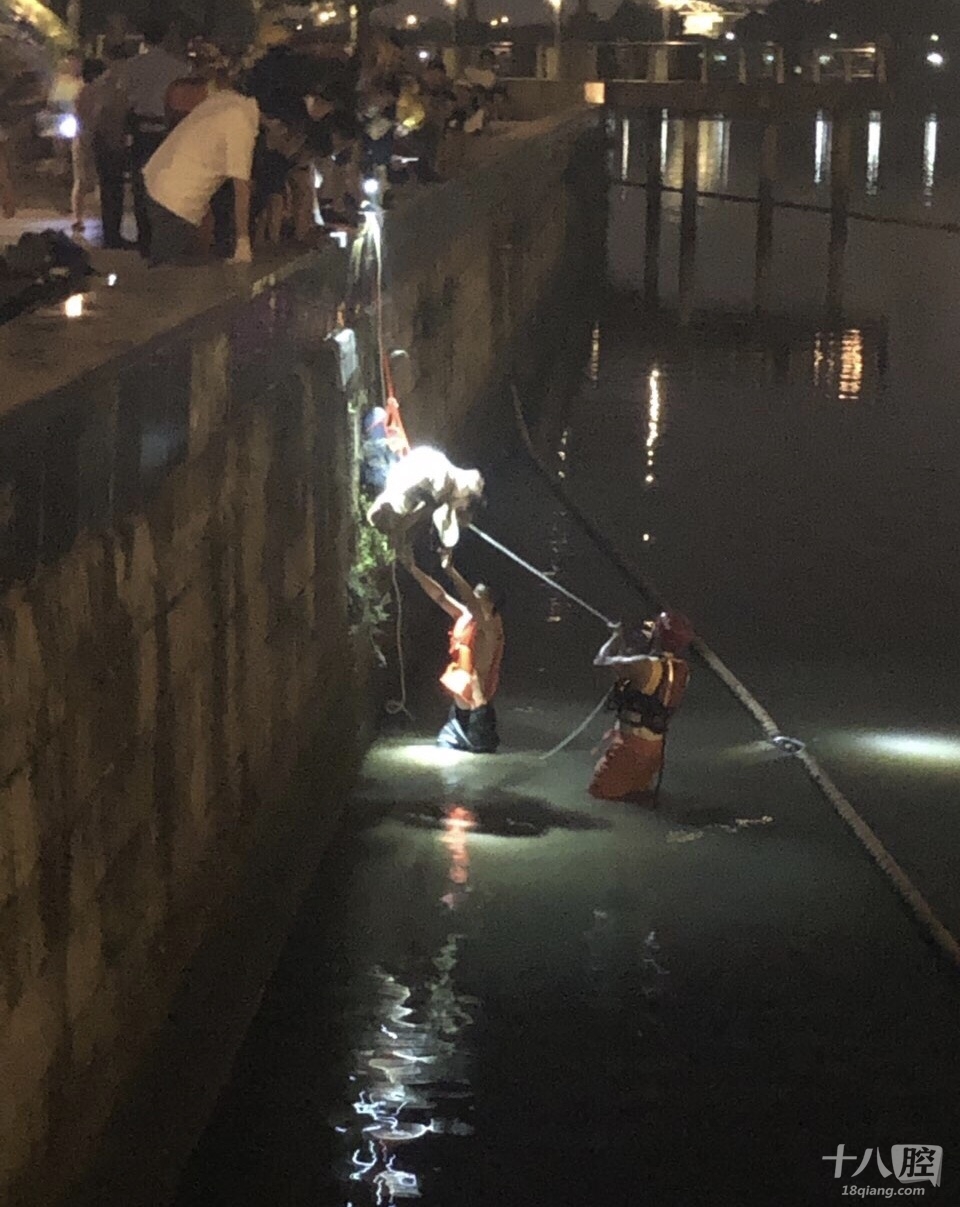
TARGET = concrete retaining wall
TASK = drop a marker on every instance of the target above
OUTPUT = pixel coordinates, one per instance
(177, 522)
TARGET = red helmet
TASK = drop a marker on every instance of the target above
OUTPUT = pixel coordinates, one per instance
(675, 632)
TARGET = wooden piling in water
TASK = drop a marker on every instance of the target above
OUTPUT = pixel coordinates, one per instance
(768, 174)
(840, 168)
(651, 263)
(688, 216)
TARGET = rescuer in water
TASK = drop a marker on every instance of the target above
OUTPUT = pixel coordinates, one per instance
(476, 650)
(650, 685)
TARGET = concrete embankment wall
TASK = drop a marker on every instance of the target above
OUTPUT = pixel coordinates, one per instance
(184, 691)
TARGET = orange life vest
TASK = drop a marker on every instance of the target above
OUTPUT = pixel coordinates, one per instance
(460, 678)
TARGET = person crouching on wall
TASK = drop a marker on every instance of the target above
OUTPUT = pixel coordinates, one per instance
(476, 650)
(651, 681)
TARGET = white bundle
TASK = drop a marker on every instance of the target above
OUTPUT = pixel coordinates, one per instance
(425, 481)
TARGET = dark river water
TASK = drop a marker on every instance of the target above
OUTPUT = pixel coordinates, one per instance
(501, 992)
(794, 477)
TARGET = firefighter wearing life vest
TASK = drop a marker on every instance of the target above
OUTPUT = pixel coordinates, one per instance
(651, 681)
(476, 651)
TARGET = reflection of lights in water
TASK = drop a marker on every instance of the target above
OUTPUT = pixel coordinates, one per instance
(713, 157)
(625, 149)
(713, 154)
(664, 140)
(457, 824)
(593, 366)
(654, 403)
(821, 348)
(838, 364)
(851, 365)
(874, 132)
(73, 306)
(821, 149)
(396, 1103)
(929, 157)
(921, 747)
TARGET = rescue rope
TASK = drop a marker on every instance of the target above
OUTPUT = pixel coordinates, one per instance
(551, 582)
(393, 707)
(577, 732)
(944, 939)
(373, 226)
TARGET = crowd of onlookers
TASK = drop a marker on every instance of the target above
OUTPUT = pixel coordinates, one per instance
(224, 151)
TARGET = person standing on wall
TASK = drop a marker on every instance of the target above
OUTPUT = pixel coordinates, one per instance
(651, 681)
(145, 80)
(476, 649)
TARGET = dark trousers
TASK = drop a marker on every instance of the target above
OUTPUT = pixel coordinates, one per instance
(222, 208)
(145, 142)
(172, 238)
(471, 729)
(111, 161)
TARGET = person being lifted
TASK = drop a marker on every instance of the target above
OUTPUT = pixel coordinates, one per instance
(651, 681)
(476, 650)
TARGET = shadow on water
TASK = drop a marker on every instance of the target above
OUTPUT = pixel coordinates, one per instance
(504, 815)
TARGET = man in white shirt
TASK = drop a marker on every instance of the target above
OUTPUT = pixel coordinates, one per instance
(145, 80)
(213, 144)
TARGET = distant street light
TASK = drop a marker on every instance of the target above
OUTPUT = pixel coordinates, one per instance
(934, 37)
(730, 36)
(412, 21)
(834, 37)
(935, 58)
(504, 20)
(495, 22)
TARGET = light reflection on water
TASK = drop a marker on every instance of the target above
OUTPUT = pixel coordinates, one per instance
(838, 364)
(713, 153)
(654, 403)
(625, 149)
(721, 141)
(410, 1070)
(874, 137)
(929, 158)
(558, 538)
(821, 148)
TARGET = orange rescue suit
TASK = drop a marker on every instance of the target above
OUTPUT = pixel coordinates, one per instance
(633, 759)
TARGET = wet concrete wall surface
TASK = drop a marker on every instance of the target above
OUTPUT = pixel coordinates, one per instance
(177, 527)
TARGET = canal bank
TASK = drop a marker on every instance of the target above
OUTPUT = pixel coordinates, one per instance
(186, 671)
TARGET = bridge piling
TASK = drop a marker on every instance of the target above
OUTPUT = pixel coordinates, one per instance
(840, 167)
(768, 173)
(688, 216)
(651, 263)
